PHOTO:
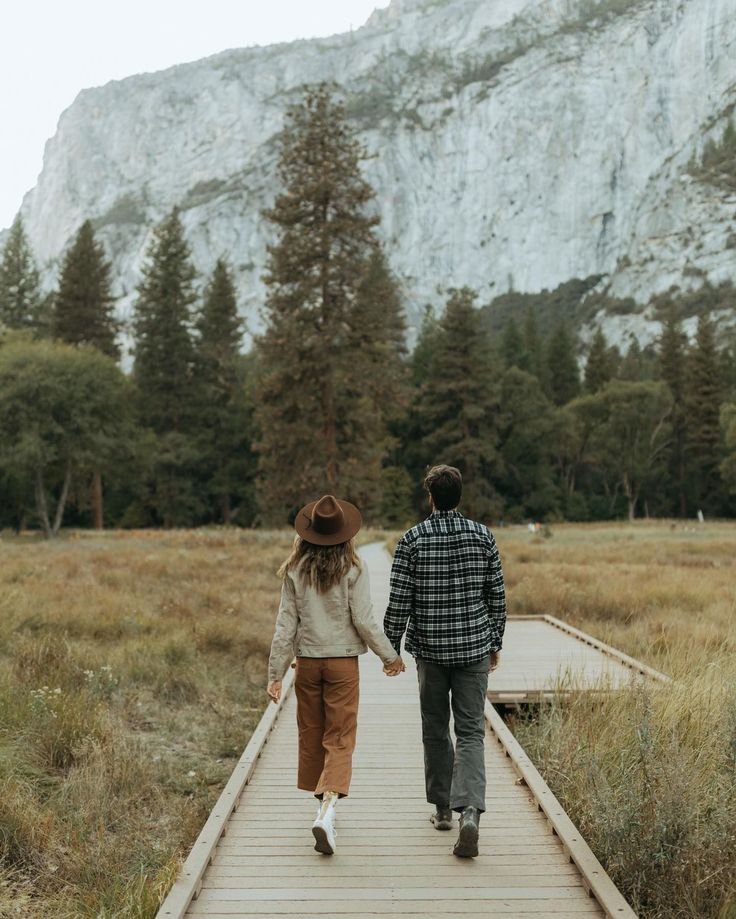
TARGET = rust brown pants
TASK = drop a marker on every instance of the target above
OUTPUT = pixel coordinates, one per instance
(327, 690)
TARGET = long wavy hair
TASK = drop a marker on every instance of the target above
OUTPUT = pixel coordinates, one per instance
(322, 566)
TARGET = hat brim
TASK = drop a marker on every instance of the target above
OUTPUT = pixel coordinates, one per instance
(352, 522)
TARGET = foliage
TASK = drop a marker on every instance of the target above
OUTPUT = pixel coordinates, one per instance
(20, 293)
(83, 308)
(62, 413)
(328, 358)
(456, 406)
(717, 165)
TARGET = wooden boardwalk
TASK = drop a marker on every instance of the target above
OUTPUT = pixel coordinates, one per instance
(543, 657)
(254, 856)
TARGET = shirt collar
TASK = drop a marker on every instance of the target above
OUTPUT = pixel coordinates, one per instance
(453, 513)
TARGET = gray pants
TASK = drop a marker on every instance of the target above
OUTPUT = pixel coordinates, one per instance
(454, 776)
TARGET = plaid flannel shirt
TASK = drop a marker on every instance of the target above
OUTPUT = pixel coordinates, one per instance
(447, 591)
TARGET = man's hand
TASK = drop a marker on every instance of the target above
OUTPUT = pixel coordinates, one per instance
(273, 690)
(395, 667)
(495, 660)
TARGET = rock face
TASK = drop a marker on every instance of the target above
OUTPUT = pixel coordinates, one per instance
(516, 144)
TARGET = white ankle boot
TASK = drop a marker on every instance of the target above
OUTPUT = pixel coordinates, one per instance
(323, 828)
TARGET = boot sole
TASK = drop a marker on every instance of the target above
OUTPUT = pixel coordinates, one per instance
(467, 842)
(441, 824)
(321, 841)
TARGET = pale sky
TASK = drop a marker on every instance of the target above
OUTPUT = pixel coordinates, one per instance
(51, 49)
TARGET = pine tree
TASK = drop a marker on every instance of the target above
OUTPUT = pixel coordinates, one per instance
(167, 388)
(83, 311)
(224, 425)
(164, 350)
(562, 367)
(456, 408)
(534, 348)
(702, 407)
(598, 369)
(20, 293)
(373, 399)
(672, 344)
(316, 390)
(513, 349)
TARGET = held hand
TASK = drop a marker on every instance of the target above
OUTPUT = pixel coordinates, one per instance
(273, 690)
(395, 667)
(495, 660)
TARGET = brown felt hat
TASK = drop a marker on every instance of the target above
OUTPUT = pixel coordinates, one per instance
(328, 521)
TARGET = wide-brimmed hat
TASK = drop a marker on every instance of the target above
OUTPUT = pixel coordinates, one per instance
(328, 521)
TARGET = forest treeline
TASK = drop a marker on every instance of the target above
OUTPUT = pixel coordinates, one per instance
(329, 397)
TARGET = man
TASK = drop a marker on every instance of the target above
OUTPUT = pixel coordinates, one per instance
(447, 593)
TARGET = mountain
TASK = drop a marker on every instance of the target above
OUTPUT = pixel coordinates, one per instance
(516, 144)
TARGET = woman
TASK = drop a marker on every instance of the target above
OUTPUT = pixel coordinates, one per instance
(326, 620)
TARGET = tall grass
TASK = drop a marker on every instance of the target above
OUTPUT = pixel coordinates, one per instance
(648, 775)
(131, 676)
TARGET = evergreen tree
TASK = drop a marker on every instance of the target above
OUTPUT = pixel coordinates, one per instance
(83, 311)
(168, 390)
(672, 344)
(457, 407)
(513, 350)
(599, 368)
(702, 418)
(164, 349)
(423, 355)
(20, 293)
(637, 365)
(534, 347)
(562, 367)
(323, 320)
(224, 426)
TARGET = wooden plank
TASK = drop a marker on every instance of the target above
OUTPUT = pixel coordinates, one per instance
(594, 875)
(265, 865)
(187, 885)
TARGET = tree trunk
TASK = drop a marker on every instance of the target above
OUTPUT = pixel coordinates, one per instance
(58, 517)
(41, 506)
(97, 500)
(631, 497)
(225, 510)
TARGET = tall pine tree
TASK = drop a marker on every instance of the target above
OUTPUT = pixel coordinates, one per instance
(534, 348)
(164, 349)
(321, 425)
(457, 406)
(599, 366)
(562, 367)
(513, 349)
(224, 418)
(672, 345)
(702, 408)
(83, 311)
(20, 292)
(167, 389)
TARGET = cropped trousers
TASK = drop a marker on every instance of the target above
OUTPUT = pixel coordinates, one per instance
(327, 695)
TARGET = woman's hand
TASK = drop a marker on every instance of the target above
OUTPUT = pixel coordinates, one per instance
(273, 690)
(395, 667)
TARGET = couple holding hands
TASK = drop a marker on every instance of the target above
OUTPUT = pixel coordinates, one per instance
(447, 596)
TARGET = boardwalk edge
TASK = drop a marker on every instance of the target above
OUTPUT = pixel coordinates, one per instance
(187, 885)
(599, 884)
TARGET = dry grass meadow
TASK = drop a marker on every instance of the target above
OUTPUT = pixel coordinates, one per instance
(132, 667)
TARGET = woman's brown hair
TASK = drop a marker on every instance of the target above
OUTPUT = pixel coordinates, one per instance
(322, 566)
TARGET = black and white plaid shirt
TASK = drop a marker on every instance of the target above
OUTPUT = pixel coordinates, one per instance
(447, 591)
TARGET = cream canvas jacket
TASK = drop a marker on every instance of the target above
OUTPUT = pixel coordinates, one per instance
(338, 623)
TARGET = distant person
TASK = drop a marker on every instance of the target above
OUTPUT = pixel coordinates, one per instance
(326, 620)
(447, 593)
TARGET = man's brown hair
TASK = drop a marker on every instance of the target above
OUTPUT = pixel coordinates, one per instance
(445, 485)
